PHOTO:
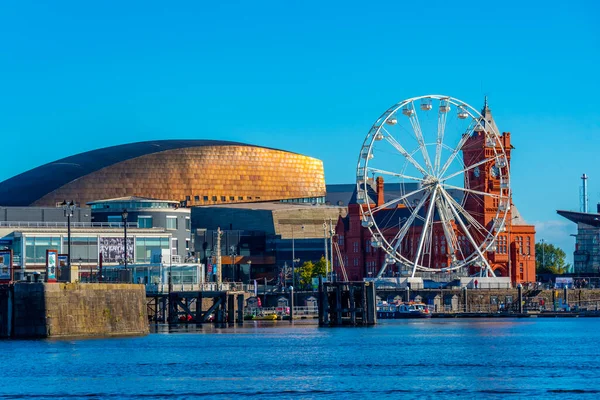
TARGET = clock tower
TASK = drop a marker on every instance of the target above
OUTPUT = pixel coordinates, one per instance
(514, 251)
(489, 176)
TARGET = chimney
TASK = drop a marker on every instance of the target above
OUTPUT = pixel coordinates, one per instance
(598, 208)
(584, 194)
(380, 197)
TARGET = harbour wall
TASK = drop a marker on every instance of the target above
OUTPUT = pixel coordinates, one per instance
(476, 300)
(49, 310)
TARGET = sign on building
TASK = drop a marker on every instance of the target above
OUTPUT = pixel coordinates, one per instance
(6, 269)
(51, 265)
(113, 249)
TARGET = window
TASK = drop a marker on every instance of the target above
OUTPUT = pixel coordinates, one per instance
(355, 247)
(356, 262)
(187, 244)
(115, 219)
(187, 198)
(174, 246)
(341, 240)
(240, 198)
(519, 244)
(188, 224)
(35, 248)
(144, 247)
(196, 198)
(368, 246)
(144, 222)
(528, 245)
(171, 223)
(84, 248)
(231, 198)
(205, 198)
(223, 198)
(501, 248)
(214, 198)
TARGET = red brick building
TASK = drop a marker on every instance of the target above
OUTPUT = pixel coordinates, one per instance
(514, 250)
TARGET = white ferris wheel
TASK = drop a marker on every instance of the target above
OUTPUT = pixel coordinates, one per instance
(443, 166)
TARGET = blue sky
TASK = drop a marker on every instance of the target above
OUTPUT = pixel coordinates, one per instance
(309, 77)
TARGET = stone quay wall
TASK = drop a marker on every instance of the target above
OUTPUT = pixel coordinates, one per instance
(494, 300)
(73, 309)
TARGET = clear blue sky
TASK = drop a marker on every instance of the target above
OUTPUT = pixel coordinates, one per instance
(309, 77)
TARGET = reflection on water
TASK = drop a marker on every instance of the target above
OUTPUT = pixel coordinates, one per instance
(539, 358)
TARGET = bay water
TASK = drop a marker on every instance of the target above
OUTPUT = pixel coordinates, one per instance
(420, 359)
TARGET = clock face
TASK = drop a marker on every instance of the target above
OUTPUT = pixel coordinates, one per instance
(495, 171)
(476, 172)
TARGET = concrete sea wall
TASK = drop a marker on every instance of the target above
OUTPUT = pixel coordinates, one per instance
(68, 310)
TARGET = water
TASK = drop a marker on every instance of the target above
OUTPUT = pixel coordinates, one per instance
(499, 358)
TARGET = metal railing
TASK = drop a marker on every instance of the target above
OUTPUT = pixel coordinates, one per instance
(307, 311)
(47, 224)
(161, 288)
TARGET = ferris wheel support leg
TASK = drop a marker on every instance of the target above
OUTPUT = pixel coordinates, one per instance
(382, 270)
(423, 233)
(488, 269)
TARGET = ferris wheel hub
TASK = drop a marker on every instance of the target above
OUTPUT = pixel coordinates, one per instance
(430, 181)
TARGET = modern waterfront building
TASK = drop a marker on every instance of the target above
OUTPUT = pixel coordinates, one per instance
(195, 172)
(586, 257)
(92, 244)
(258, 239)
(147, 213)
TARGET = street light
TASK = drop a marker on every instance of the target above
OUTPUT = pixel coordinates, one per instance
(543, 255)
(233, 255)
(294, 259)
(124, 215)
(68, 209)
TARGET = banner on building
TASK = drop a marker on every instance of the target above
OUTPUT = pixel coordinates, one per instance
(6, 267)
(51, 265)
(113, 249)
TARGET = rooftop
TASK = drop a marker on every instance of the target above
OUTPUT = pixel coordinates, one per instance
(592, 219)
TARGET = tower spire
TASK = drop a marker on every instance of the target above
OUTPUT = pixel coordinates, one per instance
(487, 115)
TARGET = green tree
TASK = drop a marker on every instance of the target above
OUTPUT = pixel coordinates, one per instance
(550, 259)
(320, 267)
(305, 273)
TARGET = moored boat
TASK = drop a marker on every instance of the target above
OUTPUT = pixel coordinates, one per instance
(403, 310)
(266, 317)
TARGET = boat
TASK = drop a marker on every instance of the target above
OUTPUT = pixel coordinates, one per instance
(403, 310)
(265, 317)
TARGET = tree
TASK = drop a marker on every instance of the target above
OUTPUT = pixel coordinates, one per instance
(320, 267)
(305, 272)
(550, 259)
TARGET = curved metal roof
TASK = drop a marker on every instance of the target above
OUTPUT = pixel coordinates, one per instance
(29, 186)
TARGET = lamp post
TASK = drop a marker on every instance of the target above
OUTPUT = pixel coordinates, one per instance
(233, 255)
(68, 209)
(326, 248)
(543, 255)
(80, 270)
(249, 271)
(294, 259)
(124, 215)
